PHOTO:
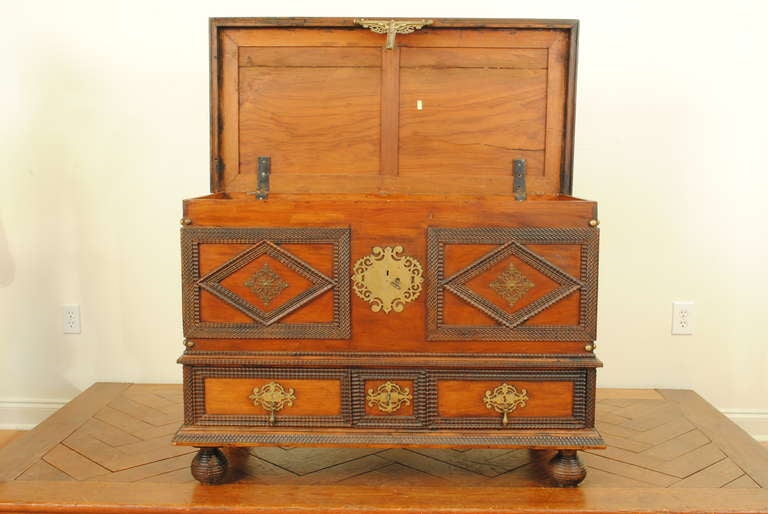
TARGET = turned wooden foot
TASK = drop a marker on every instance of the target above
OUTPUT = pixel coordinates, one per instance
(209, 466)
(566, 468)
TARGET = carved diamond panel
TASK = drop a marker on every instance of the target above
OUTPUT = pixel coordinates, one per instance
(265, 283)
(514, 302)
(265, 292)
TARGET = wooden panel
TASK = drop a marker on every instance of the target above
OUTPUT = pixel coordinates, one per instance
(523, 58)
(528, 296)
(397, 220)
(475, 121)
(313, 397)
(337, 113)
(266, 283)
(301, 37)
(332, 57)
(464, 398)
(404, 410)
(310, 120)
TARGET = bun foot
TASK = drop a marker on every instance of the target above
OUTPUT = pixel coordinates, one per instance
(209, 466)
(566, 468)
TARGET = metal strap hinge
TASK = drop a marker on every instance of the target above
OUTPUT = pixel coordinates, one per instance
(518, 181)
(262, 178)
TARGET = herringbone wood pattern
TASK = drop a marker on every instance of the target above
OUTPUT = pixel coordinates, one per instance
(652, 443)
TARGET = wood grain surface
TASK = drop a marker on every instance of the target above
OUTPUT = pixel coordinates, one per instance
(668, 451)
(397, 220)
(444, 110)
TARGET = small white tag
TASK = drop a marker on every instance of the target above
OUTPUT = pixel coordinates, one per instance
(419, 105)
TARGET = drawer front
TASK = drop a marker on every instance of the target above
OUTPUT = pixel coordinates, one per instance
(266, 283)
(512, 284)
(515, 399)
(271, 397)
(390, 398)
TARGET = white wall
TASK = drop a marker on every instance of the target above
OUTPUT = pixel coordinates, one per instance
(104, 130)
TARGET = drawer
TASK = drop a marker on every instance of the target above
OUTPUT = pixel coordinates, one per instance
(513, 399)
(397, 398)
(390, 398)
(271, 397)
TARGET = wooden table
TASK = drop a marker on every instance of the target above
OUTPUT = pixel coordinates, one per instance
(108, 450)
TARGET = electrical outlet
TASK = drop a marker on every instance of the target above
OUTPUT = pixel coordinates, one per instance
(682, 318)
(71, 319)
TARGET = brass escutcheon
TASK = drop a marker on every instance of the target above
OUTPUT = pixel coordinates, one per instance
(387, 279)
(272, 397)
(389, 397)
(505, 399)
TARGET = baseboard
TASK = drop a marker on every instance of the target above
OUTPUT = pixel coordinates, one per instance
(26, 414)
(754, 421)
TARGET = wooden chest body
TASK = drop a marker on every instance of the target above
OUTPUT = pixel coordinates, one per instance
(390, 289)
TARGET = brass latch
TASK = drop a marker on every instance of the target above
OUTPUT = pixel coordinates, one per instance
(393, 27)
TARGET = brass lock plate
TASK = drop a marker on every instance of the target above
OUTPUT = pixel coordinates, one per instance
(387, 279)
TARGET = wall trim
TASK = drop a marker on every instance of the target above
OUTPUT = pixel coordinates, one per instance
(754, 421)
(25, 414)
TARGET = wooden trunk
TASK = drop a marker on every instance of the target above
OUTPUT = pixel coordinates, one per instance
(390, 255)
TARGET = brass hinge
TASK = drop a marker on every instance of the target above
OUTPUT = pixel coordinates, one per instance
(392, 27)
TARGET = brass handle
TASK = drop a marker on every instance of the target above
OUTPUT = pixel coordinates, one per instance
(272, 397)
(505, 399)
(389, 397)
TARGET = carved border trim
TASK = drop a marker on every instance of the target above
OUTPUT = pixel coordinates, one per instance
(402, 360)
(261, 420)
(581, 439)
(437, 238)
(578, 417)
(421, 395)
(339, 238)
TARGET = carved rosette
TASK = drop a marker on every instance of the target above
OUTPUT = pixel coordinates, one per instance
(505, 399)
(389, 397)
(387, 279)
(272, 397)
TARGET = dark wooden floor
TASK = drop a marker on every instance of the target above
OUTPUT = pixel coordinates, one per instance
(108, 450)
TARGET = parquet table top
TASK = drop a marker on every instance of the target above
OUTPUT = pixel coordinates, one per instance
(109, 450)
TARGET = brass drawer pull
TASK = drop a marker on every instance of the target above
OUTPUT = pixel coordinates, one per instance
(272, 397)
(505, 399)
(389, 397)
